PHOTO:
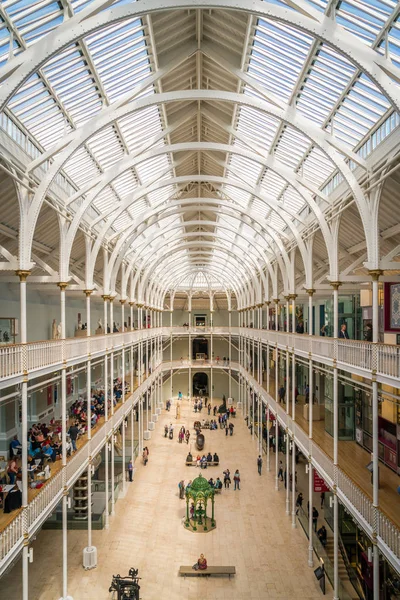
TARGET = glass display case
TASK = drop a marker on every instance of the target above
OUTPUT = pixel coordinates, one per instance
(8, 330)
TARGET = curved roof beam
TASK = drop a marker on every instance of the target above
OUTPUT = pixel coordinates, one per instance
(205, 178)
(97, 16)
(181, 271)
(152, 261)
(291, 178)
(217, 272)
(119, 252)
(202, 234)
(133, 260)
(290, 116)
(118, 255)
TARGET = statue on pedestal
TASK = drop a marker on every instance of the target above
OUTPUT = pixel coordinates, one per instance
(54, 330)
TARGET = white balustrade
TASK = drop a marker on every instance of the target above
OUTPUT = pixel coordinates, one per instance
(11, 536)
(43, 354)
(44, 497)
(11, 361)
(388, 360)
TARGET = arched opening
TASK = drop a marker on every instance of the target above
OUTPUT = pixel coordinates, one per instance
(200, 384)
(200, 348)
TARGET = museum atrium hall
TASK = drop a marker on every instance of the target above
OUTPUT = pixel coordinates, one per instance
(199, 252)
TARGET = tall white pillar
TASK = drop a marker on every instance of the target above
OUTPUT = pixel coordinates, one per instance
(293, 443)
(335, 285)
(24, 431)
(124, 424)
(105, 298)
(287, 472)
(88, 319)
(111, 300)
(335, 498)
(268, 453)
(276, 452)
(107, 446)
(293, 299)
(310, 523)
(310, 293)
(287, 298)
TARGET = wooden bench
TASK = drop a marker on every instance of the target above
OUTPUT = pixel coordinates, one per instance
(194, 463)
(189, 571)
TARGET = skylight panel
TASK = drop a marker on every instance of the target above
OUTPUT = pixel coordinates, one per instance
(81, 168)
(105, 200)
(246, 169)
(148, 169)
(239, 196)
(278, 49)
(125, 184)
(272, 184)
(363, 18)
(324, 84)
(256, 127)
(138, 207)
(291, 147)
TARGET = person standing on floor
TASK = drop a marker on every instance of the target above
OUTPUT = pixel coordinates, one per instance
(209, 408)
(236, 479)
(299, 502)
(181, 486)
(322, 500)
(259, 464)
(187, 434)
(280, 471)
(130, 470)
(315, 515)
(226, 432)
(227, 478)
(231, 426)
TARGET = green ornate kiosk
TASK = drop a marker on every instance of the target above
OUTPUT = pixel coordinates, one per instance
(200, 492)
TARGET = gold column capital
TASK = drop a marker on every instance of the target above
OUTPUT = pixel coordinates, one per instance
(62, 285)
(105, 297)
(88, 292)
(111, 298)
(122, 301)
(131, 304)
(22, 274)
(375, 274)
(292, 296)
(335, 284)
(310, 291)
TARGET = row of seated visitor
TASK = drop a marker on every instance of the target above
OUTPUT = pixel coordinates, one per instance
(45, 442)
(203, 461)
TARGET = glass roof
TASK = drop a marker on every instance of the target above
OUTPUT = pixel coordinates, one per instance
(285, 68)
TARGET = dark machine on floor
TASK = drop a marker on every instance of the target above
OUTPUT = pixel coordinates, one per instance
(200, 441)
(128, 587)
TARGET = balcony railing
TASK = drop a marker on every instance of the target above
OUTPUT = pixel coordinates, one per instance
(350, 495)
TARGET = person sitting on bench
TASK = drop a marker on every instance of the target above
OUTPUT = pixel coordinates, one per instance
(211, 482)
(203, 462)
(216, 458)
(189, 458)
(202, 563)
(209, 457)
(218, 484)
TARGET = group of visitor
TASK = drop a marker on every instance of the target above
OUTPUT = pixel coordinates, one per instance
(184, 434)
(203, 461)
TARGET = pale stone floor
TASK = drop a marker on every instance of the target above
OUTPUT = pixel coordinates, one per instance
(253, 533)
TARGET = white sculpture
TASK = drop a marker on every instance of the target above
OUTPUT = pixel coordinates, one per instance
(58, 332)
(54, 330)
(99, 324)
